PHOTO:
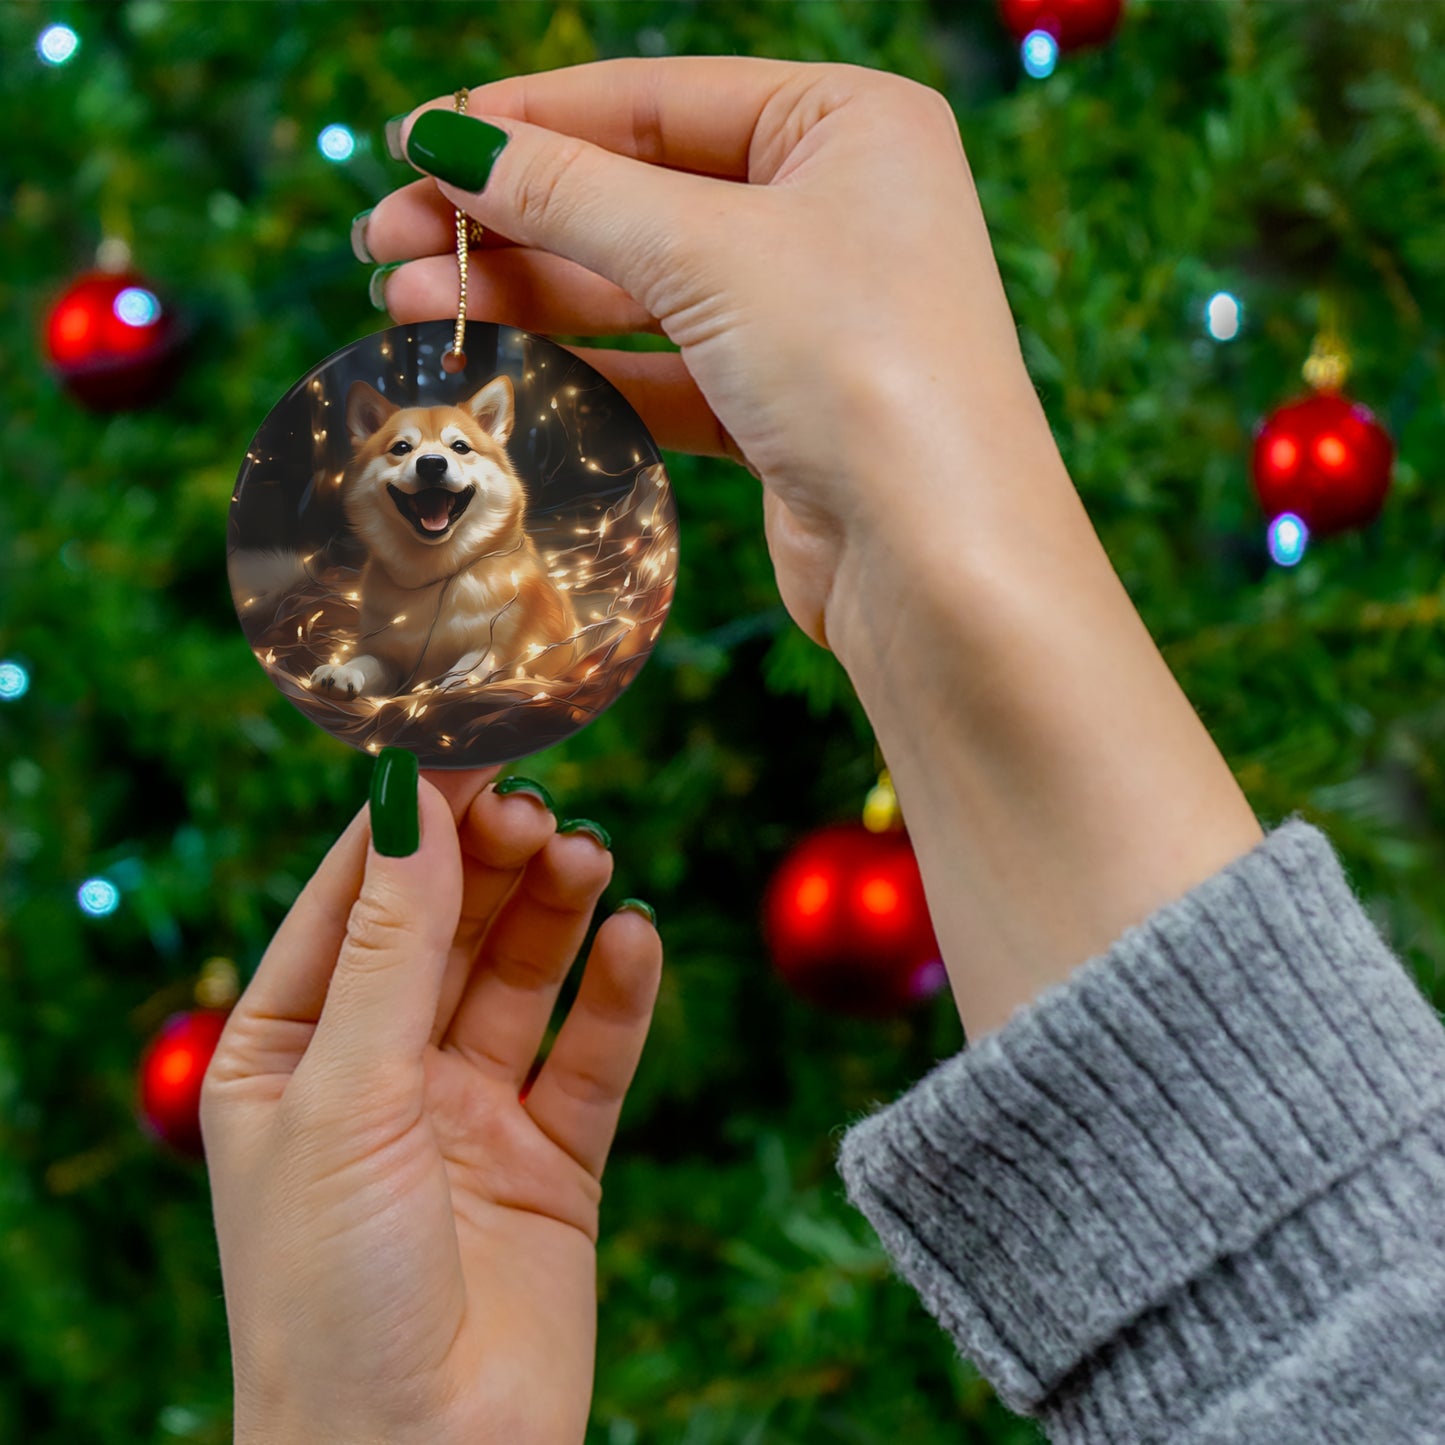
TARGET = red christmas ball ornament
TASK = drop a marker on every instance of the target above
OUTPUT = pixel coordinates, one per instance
(1073, 23)
(171, 1071)
(112, 341)
(1324, 458)
(847, 924)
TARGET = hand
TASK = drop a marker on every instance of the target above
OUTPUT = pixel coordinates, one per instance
(842, 303)
(408, 1248)
(810, 237)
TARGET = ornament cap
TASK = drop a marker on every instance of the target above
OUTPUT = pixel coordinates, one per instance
(881, 813)
(113, 254)
(1328, 365)
(219, 985)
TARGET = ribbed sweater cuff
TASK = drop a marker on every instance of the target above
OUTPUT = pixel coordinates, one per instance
(1168, 1152)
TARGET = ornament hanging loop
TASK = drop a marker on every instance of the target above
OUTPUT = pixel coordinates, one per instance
(1328, 366)
(469, 233)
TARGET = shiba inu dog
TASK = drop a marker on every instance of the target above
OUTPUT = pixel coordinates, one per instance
(452, 582)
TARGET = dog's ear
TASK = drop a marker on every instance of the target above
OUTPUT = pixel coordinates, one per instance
(366, 411)
(495, 407)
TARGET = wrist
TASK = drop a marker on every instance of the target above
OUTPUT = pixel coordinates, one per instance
(1056, 782)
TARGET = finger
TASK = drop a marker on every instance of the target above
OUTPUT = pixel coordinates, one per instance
(660, 389)
(577, 1098)
(382, 997)
(689, 113)
(504, 1010)
(460, 788)
(656, 384)
(500, 834)
(518, 287)
(621, 218)
(289, 986)
(416, 220)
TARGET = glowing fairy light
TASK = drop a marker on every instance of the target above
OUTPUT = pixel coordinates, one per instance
(336, 143)
(14, 681)
(98, 897)
(1223, 316)
(1288, 538)
(136, 306)
(57, 44)
(1040, 53)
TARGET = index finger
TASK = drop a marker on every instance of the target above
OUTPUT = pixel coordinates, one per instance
(696, 113)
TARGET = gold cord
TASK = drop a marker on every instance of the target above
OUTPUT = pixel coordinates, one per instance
(468, 232)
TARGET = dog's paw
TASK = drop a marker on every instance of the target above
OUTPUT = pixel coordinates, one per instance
(345, 680)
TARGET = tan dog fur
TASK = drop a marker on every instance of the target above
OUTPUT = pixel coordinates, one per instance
(469, 598)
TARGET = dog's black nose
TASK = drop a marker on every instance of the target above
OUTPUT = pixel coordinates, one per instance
(432, 467)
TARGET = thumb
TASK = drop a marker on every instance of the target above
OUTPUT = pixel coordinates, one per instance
(634, 224)
(382, 999)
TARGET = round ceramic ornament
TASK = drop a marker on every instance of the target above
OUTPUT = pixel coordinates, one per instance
(464, 550)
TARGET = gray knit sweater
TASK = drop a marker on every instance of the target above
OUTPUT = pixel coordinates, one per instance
(1197, 1191)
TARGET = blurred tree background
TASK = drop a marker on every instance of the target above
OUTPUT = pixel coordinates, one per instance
(1282, 152)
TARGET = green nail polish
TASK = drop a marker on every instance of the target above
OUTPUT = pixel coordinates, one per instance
(526, 785)
(392, 132)
(455, 148)
(377, 287)
(395, 813)
(586, 825)
(359, 247)
(636, 905)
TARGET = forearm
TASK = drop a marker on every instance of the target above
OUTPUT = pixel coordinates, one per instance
(1057, 784)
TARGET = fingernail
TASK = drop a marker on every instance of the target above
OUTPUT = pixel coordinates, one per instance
(636, 905)
(526, 785)
(395, 813)
(377, 287)
(359, 247)
(586, 825)
(393, 137)
(455, 148)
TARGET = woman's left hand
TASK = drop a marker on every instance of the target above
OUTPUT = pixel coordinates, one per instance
(407, 1244)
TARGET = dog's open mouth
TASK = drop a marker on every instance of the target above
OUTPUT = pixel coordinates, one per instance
(432, 510)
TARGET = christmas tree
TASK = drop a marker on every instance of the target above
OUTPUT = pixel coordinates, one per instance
(1179, 214)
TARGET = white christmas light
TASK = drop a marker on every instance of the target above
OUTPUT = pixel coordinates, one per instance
(14, 681)
(1040, 53)
(98, 897)
(1223, 316)
(336, 143)
(136, 306)
(57, 44)
(1288, 537)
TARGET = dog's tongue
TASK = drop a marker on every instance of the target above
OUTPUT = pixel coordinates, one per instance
(434, 507)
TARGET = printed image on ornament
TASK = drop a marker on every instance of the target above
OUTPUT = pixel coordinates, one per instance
(471, 566)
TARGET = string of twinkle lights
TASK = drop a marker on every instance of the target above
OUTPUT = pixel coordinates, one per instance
(619, 566)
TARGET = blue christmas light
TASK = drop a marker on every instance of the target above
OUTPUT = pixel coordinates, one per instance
(98, 897)
(1223, 316)
(57, 44)
(336, 143)
(1288, 538)
(1040, 53)
(136, 306)
(14, 681)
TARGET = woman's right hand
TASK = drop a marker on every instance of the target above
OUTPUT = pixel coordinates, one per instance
(808, 235)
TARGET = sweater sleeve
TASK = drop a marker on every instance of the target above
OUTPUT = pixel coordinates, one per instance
(1196, 1192)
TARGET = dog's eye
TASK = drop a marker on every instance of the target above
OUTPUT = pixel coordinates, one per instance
(460, 448)
(401, 449)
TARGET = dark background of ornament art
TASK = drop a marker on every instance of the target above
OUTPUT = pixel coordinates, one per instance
(1270, 150)
(599, 509)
